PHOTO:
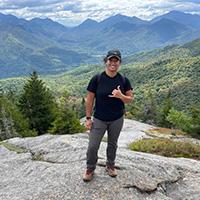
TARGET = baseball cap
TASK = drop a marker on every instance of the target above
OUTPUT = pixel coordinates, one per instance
(114, 53)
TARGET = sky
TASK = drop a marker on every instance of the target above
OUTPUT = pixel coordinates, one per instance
(74, 12)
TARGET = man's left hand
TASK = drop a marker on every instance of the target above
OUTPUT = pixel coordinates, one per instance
(117, 93)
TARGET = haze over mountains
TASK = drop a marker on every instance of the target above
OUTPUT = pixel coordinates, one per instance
(49, 47)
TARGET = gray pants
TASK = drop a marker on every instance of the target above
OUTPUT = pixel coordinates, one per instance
(95, 136)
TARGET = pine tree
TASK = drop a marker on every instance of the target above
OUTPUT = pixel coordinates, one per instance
(37, 104)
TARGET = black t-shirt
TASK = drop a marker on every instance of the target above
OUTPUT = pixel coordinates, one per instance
(108, 108)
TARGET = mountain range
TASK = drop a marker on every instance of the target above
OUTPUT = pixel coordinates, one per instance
(49, 47)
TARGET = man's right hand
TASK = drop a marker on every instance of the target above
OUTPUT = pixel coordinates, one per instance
(88, 124)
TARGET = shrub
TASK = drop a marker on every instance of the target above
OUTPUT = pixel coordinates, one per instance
(66, 122)
(180, 120)
(166, 147)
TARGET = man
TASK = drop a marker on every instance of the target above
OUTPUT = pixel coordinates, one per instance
(110, 90)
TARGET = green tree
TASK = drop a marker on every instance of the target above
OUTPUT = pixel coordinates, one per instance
(163, 111)
(37, 104)
(149, 107)
(180, 120)
(12, 121)
(135, 111)
(77, 104)
(195, 114)
(66, 122)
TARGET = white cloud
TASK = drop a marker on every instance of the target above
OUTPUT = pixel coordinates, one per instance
(72, 12)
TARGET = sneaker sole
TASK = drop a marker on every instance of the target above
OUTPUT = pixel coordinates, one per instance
(85, 180)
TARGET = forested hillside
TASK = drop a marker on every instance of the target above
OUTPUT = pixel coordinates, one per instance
(174, 67)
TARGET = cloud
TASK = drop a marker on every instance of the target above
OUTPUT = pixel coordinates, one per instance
(27, 3)
(193, 1)
(73, 12)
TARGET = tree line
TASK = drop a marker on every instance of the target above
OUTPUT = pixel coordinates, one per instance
(165, 113)
(35, 111)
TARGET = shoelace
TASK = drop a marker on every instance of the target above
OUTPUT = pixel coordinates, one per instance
(89, 171)
(111, 167)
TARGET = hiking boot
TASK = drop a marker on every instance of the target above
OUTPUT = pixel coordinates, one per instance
(88, 175)
(111, 171)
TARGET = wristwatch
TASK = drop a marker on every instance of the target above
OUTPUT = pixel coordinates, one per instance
(88, 118)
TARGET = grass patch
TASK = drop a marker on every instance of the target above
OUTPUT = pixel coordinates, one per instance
(167, 147)
(166, 131)
(37, 157)
(12, 147)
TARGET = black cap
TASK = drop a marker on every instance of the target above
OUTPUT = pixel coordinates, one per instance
(114, 53)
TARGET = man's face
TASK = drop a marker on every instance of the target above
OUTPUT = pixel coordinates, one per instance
(112, 64)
